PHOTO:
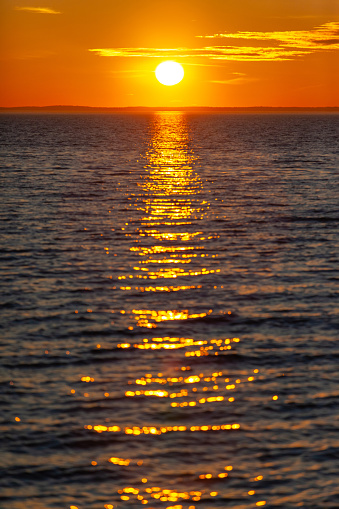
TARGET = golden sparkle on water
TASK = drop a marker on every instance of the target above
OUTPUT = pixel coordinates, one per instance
(166, 245)
(169, 73)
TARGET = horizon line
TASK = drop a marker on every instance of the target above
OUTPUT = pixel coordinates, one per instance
(69, 107)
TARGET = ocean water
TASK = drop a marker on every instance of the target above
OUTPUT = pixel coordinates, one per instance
(169, 318)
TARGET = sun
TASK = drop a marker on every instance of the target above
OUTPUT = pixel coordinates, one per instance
(169, 73)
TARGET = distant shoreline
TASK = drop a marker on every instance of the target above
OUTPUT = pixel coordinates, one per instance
(144, 109)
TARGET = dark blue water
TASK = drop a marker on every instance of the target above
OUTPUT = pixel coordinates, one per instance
(169, 312)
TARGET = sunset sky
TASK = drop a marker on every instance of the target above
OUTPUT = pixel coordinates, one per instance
(234, 52)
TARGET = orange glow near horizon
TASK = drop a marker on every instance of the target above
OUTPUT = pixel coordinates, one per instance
(235, 54)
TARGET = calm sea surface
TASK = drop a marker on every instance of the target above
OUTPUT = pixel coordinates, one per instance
(169, 311)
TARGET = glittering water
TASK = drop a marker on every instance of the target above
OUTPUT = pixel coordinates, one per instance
(169, 312)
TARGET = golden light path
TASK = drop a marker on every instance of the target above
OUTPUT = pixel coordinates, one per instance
(166, 244)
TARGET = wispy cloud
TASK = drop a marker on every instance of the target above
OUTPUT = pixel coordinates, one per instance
(234, 53)
(143, 52)
(327, 34)
(228, 82)
(38, 10)
(234, 79)
(287, 45)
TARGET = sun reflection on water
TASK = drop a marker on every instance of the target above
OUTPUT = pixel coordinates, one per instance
(194, 401)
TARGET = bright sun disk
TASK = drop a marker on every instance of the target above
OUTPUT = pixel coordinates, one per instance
(169, 73)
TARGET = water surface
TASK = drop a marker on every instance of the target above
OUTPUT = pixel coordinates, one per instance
(169, 311)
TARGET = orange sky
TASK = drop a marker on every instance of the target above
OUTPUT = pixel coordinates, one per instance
(234, 52)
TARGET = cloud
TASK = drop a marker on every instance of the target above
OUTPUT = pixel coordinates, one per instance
(142, 52)
(228, 82)
(235, 78)
(233, 53)
(38, 10)
(327, 34)
(265, 46)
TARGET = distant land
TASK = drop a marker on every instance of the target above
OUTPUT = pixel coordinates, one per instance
(141, 109)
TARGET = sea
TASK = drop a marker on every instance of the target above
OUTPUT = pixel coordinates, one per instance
(169, 317)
